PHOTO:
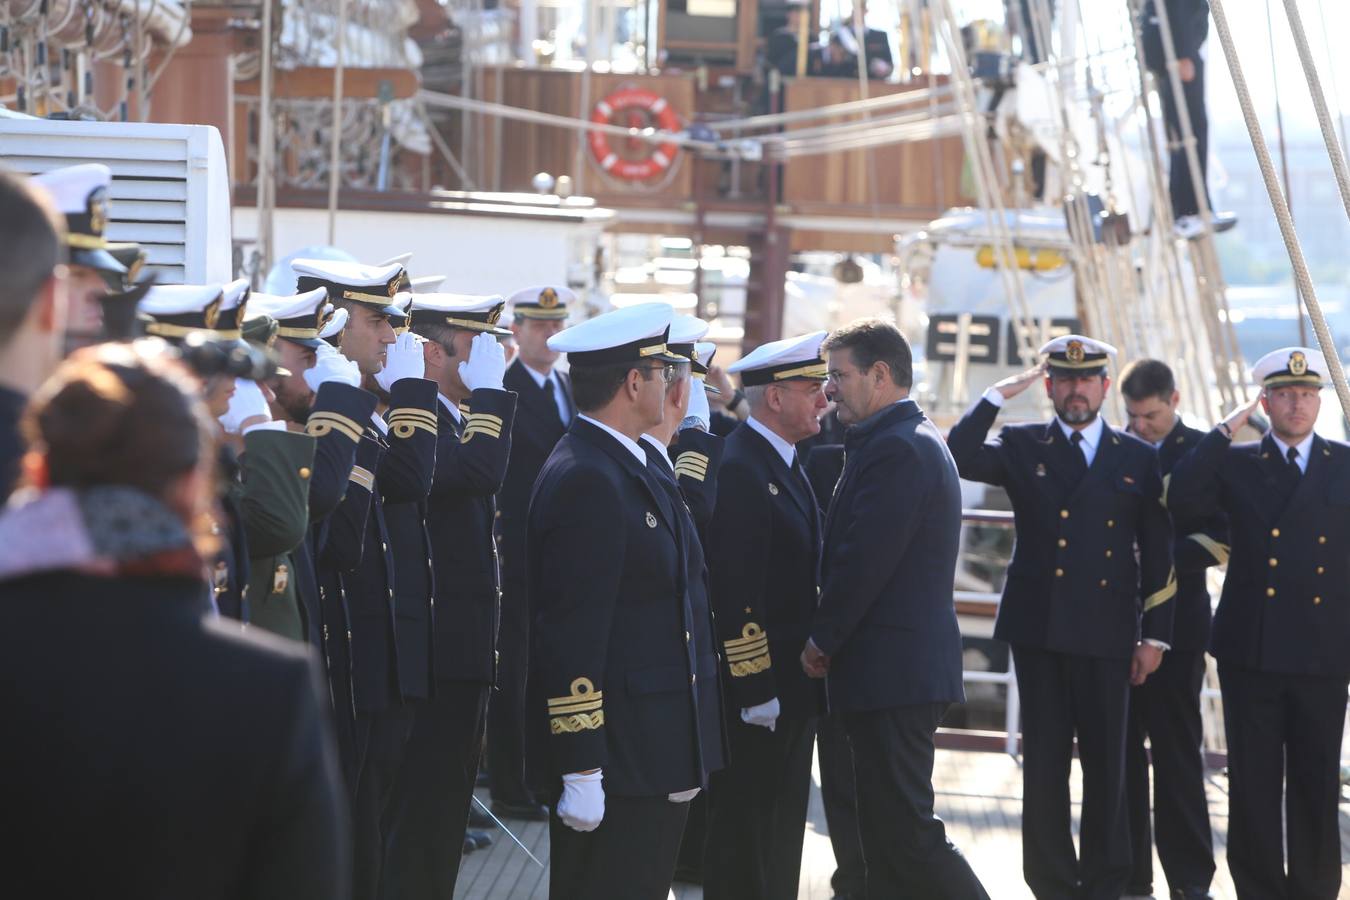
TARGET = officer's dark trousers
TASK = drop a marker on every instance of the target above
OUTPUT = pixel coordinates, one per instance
(1180, 185)
(1284, 731)
(839, 797)
(631, 856)
(427, 817)
(1166, 710)
(383, 739)
(757, 812)
(1063, 694)
(506, 731)
(904, 844)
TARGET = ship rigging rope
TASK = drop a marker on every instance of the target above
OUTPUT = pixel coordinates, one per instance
(891, 129)
(1277, 199)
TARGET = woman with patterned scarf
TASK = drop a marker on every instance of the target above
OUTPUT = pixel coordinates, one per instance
(148, 751)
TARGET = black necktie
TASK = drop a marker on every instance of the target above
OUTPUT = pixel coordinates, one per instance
(1292, 456)
(1077, 460)
(551, 391)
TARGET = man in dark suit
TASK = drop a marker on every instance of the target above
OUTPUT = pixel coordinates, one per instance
(1282, 626)
(764, 562)
(886, 631)
(1093, 557)
(544, 410)
(823, 458)
(431, 802)
(623, 669)
(388, 593)
(1166, 708)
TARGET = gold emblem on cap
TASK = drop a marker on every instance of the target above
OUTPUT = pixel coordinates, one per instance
(651, 520)
(211, 315)
(1074, 352)
(495, 314)
(98, 211)
(548, 298)
(1298, 363)
(393, 285)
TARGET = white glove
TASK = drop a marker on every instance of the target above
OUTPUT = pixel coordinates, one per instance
(248, 402)
(335, 324)
(583, 801)
(330, 365)
(682, 796)
(765, 715)
(486, 365)
(403, 360)
(698, 404)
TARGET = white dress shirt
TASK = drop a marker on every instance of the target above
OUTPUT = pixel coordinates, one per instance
(452, 408)
(624, 439)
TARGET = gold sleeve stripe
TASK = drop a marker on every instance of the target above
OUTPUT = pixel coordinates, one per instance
(581, 710)
(751, 667)
(406, 429)
(747, 654)
(687, 472)
(1213, 547)
(363, 477)
(691, 458)
(486, 418)
(583, 690)
(750, 634)
(1158, 598)
(411, 413)
(579, 722)
(322, 423)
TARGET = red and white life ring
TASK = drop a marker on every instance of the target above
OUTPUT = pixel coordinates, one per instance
(634, 108)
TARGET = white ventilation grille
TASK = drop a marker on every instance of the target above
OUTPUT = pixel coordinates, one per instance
(170, 190)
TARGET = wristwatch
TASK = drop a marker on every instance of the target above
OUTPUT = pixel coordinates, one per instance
(1228, 432)
(736, 400)
(692, 422)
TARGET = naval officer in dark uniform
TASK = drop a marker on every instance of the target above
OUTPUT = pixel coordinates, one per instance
(544, 410)
(1087, 606)
(621, 669)
(1166, 707)
(885, 631)
(764, 562)
(387, 596)
(430, 808)
(1282, 627)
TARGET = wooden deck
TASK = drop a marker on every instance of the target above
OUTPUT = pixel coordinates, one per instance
(979, 796)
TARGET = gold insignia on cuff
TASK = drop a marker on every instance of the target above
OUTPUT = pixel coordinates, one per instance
(482, 423)
(691, 464)
(405, 420)
(323, 422)
(581, 710)
(749, 653)
(362, 477)
(1167, 592)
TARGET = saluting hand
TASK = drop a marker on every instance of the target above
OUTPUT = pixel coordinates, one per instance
(486, 365)
(1015, 384)
(402, 360)
(1237, 419)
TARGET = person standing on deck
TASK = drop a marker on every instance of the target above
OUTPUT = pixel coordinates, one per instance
(1086, 607)
(1282, 628)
